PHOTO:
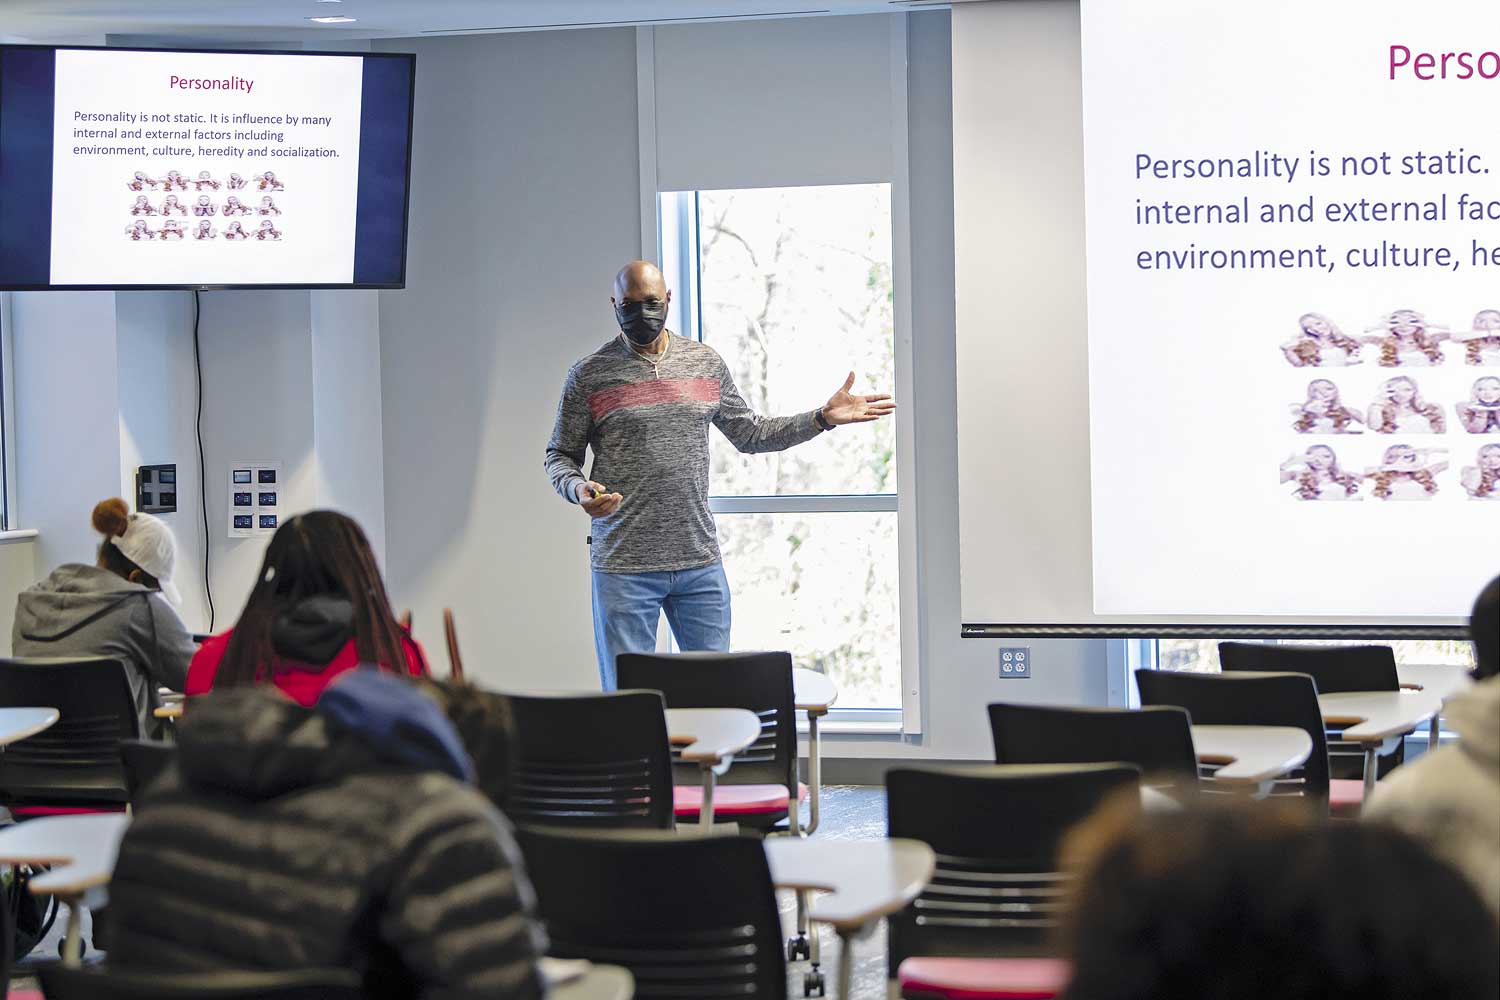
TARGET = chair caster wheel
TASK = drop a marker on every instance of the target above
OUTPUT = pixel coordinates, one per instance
(797, 948)
(813, 985)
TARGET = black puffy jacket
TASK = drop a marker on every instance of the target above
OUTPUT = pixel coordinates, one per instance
(280, 840)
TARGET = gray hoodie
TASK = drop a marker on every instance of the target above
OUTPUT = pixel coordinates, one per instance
(1451, 796)
(87, 611)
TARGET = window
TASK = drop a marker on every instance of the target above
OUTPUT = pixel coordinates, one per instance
(794, 287)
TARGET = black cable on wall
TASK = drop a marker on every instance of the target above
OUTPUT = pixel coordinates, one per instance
(208, 590)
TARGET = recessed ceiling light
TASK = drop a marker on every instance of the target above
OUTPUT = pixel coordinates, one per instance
(333, 20)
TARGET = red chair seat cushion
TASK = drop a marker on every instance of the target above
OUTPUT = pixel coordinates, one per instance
(982, 978)
(734, 800)
(1345, 795)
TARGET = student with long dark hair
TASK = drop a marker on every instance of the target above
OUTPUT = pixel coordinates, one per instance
(318, 608)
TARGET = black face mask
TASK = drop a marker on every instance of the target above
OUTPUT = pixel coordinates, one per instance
(642, 322)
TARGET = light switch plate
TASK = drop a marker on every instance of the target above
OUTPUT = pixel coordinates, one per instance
(1015, 662)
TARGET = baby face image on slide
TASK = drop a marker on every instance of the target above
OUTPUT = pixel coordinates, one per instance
(1482, 479)
(1320, 344)
(1407, 473)
(1318, 476)
(1480, 413)
(1323, 413)
(1400, 409)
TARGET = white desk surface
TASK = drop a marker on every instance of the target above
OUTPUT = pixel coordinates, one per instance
(1251, 754)
(1441, 679)
(18, 723)
(864, 879)
(708, 735)
(814, 692)
(598, 982)
(1374, 716)
(80, 848)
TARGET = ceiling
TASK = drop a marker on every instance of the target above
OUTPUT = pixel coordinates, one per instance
(87, 21)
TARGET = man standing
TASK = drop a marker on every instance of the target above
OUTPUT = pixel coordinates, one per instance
(643, 402)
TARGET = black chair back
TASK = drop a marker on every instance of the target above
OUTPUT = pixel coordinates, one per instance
(144, 761)
(1332, 668)
(1158, 740)
(597, 760)
(77, 761)
(99, 983)
(690, 917)
(996, 830)
(759, 682)
(1242, 698)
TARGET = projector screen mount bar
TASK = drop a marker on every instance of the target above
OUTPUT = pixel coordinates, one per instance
(1199, 631)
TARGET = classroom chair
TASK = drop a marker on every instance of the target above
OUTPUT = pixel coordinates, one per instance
(1158, 740)
(690, 917)
(75, 765)
(594, 760)
(1333, 669)
(1243, 698)
(761, 788)
(102, 983)
(144, 761)
(997, 895)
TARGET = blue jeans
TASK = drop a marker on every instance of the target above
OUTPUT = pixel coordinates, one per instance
(627, 607)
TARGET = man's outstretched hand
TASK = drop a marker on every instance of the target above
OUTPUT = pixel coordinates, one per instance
(596, 501)
(844, 407)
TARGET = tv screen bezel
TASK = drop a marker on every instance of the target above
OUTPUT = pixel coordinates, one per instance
(411, 97)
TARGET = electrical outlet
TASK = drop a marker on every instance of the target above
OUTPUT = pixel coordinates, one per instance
(1015, 662)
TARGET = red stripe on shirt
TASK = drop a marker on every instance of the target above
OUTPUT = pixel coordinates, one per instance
(651, 392)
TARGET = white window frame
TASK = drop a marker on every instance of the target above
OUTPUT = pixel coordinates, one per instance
(678, 228)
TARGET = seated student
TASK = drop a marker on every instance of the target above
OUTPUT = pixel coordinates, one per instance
(342, 836)
(1260, 900)
(318, 608)
(116, 607)
(1450, 797)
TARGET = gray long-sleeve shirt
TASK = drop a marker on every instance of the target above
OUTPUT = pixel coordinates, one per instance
(648, 428)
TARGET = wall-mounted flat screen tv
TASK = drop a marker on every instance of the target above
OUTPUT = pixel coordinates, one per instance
(150, 168)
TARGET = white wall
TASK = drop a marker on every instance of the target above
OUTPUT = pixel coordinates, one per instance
(773, 103)
(524, 204)
(67, 418)
(158, 405)
(347, 437)
(258, 404)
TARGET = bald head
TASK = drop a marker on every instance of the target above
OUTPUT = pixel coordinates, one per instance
(640, 280)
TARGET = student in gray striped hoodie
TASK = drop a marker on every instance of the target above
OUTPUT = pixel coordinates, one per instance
(643, 402)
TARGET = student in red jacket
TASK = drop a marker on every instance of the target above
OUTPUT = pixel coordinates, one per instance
(318, 609)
